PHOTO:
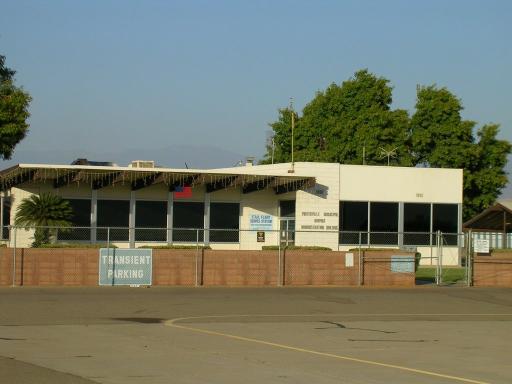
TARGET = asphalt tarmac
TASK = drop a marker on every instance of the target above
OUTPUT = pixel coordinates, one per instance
(255, 335)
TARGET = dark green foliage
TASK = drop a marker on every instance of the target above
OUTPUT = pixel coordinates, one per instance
(441, 138)
(295, 248)
(345, 119)
(43, 211)
(13, 111)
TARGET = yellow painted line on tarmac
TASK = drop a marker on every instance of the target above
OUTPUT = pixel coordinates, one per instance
(172, 323)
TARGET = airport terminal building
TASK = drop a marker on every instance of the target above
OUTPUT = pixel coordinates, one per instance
(246, 207)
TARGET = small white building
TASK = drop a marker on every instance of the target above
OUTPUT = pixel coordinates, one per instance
(315, 204)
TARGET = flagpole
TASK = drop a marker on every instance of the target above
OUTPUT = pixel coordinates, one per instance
(292, 170)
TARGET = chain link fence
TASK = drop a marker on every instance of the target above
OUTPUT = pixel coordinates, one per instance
(192, 256)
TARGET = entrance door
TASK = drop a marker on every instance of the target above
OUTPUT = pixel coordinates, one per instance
(287, 231)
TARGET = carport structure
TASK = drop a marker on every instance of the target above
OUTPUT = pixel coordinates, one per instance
(497, 218)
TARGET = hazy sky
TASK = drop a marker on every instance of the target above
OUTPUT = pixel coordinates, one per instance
(199, 81)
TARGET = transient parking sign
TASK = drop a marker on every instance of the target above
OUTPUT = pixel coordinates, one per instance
(125, 266)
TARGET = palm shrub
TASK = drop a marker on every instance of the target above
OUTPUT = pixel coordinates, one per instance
(43, 212)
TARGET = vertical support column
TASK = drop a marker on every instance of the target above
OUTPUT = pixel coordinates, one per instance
(369, 226)
(170, 208)
(94, 214)
(400, 224)
(431, 231)
(206, 218)
(460, 235)
(131, 220)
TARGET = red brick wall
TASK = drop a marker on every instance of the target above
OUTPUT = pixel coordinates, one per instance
(377, 270)
(175, 266)
(493, 270)
(319, 268)
(46, 266)
(74, 266)
(237, 268)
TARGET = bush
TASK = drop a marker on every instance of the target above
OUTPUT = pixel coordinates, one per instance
(295, 248)
(170, 246)
(75, 245)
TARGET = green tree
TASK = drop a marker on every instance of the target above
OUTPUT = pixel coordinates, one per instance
(345, 119)
(342, 121)
(46, 212)
(13, 111)
(441, 138)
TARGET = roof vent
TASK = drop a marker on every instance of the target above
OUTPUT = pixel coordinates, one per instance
(82, 161)
(142, 164)
(249, 161)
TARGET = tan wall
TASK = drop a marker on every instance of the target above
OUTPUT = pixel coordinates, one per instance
(495, 270)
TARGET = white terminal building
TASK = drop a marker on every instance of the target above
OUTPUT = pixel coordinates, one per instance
(247, 207)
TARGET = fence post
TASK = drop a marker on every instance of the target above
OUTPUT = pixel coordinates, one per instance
(438, 257)
(279, 275)
(469, 259)
(14, 258)
(197, 257)
(361, 262)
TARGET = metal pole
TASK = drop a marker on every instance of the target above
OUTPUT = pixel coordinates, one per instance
(279, 274)
(361, 263)
(197, 257)
(14, 258)
(469, 259)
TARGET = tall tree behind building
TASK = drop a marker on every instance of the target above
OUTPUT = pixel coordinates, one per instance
(13, 111)
(354, 123)
(441, 138)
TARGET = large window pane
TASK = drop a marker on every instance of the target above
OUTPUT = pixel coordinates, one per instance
(287, 208)
(224, 216)
(416, 224)
(190, 217)
(446, 219)
(353, 219)
(384, 218)
(153, 216)
(113, 213)
(6, 220)
(81, 218)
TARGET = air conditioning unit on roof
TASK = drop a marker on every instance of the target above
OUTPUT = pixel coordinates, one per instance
(142, 164)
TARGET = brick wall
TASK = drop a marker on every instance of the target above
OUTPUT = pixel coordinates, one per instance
(74, 266)
(377, 269)
(46, 266)
(235, 268)
(494, 270)
(319, 268)
(175, 266)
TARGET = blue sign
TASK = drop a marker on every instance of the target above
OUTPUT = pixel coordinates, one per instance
(260, 222)
(125, 266)
(402, 264)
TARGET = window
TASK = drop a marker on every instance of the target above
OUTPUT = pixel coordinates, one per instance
(6, 219)
(353, 219)
(416, 224)
(446, 220)
(114, 214)
(384, 218)
(224, 216)
(287, 208)
(190, 217)
(150, 221)
(81, 218)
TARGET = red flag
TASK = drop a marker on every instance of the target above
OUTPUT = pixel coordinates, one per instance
(183, 192)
